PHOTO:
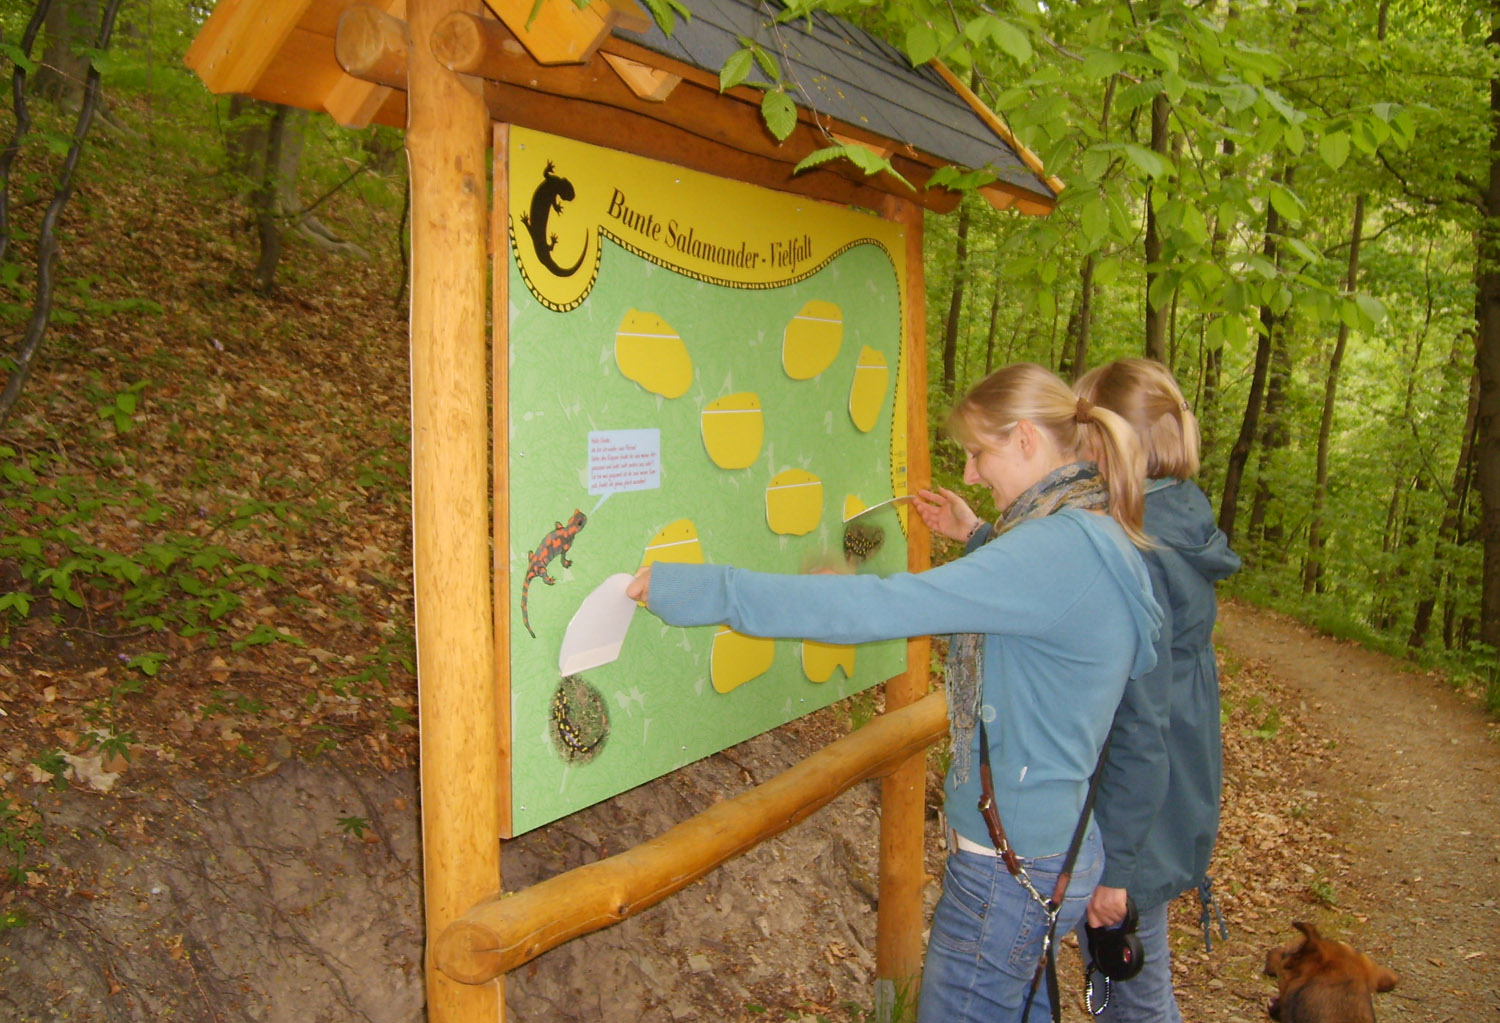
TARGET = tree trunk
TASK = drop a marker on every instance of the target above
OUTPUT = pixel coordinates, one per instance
(1156, 318)
(1239, 455)
(1273, 438)
(1312, 569)
(956, 302)
(71, 25)
(267, 208)
(989, 340)
(47, 247)
(1449, 531)
(1487, 341)
(1081, 323)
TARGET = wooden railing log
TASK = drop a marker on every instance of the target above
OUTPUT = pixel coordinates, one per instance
(511, 929)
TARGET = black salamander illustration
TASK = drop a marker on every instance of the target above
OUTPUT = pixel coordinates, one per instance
(545, 201)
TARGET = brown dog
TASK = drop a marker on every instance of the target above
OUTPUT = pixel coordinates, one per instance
(1319, 980)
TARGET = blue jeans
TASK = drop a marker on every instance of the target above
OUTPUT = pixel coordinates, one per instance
(987, 935)
(1147, 997)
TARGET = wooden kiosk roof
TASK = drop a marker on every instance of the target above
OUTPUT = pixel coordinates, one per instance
(608, 75)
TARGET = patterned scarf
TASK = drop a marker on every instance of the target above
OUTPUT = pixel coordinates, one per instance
(1077, 485)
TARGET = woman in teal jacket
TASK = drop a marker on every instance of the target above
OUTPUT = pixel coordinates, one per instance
(1052, 615)
(1158, 807)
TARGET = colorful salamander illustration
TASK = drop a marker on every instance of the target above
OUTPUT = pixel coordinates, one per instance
(554, 545)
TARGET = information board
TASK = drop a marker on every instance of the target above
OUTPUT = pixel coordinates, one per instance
(699, 370)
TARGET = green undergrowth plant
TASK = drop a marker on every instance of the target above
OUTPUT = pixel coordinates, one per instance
(20, 837)
(373, 677)
(71, 535)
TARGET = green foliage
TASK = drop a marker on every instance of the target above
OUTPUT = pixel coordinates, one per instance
(53, 763)
(356, 826)
(20, 834)
(1323, 891)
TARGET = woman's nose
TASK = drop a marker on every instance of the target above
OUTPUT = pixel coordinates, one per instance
(971, 473)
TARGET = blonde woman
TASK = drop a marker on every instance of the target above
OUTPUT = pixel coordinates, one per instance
(1158, 806)
(1052, 611)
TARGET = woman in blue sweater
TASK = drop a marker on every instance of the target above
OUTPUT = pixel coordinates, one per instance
(1158, 805)
(1051, 611)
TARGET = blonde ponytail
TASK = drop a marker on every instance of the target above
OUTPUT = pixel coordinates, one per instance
(1117, 449)
(1146, 394)
(1079, 428)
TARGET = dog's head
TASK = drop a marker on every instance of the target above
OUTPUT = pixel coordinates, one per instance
(1318, 978)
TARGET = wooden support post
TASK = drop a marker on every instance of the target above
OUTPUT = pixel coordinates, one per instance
(447, 143)
(898, 927)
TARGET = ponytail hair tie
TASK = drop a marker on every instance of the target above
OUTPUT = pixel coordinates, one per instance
(1185, 406)
(1082, 409)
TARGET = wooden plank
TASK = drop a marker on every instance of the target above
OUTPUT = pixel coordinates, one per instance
(648, 83)
(503, 933)
(560, 32)
(899, 920)
(645, 136)
(240, 40)
(353, 103)
(500, 431)
(301, 74)
(447, 144)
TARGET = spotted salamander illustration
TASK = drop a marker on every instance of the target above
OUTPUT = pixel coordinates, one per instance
(579, 721)
(554, 545)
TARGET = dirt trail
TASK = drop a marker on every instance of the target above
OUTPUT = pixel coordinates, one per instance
(1412, 790)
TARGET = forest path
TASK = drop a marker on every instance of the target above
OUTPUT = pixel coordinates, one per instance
(1412, 793)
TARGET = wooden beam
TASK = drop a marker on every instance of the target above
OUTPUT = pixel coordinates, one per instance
(502, 933)
(373, 46)
(447, 143)
(560, 32)
(645, 136)
(994, 123)
(698, 127)
(899, 923)
(881, 149)
(563, 100)
(354, 101)
(240, 40)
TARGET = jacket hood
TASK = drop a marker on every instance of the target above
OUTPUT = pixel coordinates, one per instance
(1179, 516)
(1124, 564)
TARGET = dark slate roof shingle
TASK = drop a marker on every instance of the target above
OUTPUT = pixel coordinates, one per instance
(846, 73)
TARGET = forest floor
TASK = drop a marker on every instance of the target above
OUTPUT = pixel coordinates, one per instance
(214, 816)
(1360, 795)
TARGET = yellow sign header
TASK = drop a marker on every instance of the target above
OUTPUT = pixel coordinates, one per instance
(569, 200)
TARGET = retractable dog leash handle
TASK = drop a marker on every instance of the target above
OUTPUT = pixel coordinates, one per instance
(1115, 953)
